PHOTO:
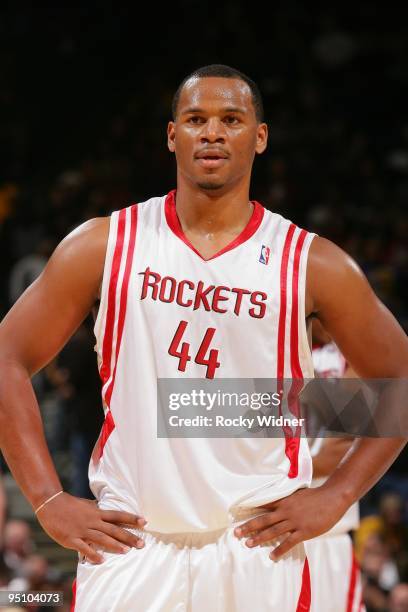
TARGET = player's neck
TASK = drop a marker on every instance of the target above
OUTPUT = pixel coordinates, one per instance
(203, 212)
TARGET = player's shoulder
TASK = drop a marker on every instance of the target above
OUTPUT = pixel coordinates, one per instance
(328, 259)
(78, 261)
(91, 235)
(82, 252)
(332, 274)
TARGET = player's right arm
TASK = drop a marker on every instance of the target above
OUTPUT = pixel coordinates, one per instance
(32, 333)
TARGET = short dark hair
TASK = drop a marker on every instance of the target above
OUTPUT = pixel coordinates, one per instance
(226, 72)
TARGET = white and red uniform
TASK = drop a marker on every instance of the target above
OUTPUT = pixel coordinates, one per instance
(165, 312)
(336, 579)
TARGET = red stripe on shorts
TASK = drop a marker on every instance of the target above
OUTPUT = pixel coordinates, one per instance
(353, 581)
(305, 595)
(74, 584)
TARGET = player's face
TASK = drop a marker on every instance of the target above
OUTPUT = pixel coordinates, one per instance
(216, 133)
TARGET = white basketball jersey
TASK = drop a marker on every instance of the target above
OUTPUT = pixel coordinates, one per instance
(165, 312)
(329, 362)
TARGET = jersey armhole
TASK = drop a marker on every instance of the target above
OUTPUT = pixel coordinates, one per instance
(100, 321)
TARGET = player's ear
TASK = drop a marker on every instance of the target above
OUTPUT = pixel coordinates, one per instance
(171, 136)
(261, 138)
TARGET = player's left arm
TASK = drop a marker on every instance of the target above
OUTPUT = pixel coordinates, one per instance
(332, 451)
(376, 346)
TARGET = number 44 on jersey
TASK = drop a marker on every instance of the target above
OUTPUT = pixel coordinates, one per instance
(202, 357)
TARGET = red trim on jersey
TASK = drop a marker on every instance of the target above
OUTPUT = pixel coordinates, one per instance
(283, 302)
(109, 424)
(123, 295)
(294, 324)
(105, 370)
(293, 441)
(353, 581)
(305, 595)
(107, 427)
(290, 449)
(174, 224)
(74, 584)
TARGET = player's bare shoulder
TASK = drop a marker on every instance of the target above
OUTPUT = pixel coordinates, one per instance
(82, 253)
(89, 238)
(330, 271)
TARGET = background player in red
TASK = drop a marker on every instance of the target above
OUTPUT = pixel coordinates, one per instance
(217, 110)
(336, 580)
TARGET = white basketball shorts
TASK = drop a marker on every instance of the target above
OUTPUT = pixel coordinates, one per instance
(335, 575)
(194, 572)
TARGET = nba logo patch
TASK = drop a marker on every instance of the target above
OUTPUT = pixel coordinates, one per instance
(264, 256)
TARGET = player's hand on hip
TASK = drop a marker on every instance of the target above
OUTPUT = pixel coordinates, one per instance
(305, 514)
(79, 524)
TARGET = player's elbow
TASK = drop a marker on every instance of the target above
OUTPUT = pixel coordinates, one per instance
(12, 371)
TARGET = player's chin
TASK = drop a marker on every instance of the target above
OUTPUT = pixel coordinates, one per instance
(213, 185)
(212, 180)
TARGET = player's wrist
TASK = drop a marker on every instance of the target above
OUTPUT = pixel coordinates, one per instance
(342, 492)
(47, 501)
(37, 498)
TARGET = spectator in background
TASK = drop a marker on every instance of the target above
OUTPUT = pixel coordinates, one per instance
(17, 545)
(34, 574)
(390, 528)
(399, 598)
(379, 572)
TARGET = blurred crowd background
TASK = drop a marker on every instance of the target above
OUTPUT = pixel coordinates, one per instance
(85, 96)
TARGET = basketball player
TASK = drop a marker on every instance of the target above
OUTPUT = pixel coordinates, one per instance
(184, 292)
(336, 579)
